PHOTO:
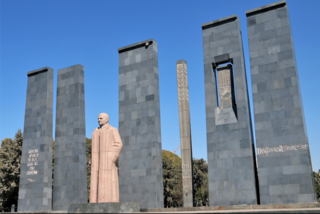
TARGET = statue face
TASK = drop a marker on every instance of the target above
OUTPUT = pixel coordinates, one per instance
(103, 119)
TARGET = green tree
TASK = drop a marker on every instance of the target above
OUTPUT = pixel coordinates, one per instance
(53, 147)
(0, 160)
(88, 153)
(200, 181)
(10, 157)
(317, 184)
(172, 179)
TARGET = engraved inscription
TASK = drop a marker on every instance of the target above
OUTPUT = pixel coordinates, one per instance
(281, 148)
(224, 79)
(225, 92)
(32, 162)
(182, 77)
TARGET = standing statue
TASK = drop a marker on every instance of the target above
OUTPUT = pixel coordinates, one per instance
(106, 148)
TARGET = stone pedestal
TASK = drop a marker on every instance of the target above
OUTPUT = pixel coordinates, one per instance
(117, 207)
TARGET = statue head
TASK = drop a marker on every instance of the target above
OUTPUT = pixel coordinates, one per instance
(103, 119)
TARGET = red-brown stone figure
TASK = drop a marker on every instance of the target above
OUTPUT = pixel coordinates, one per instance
(106, 148)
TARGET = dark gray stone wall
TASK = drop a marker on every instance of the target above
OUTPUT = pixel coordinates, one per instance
(231, 158)
(185, 134)
(284, 165)
(112, 207)
(140, 162)
(35, 187)
(70, 169)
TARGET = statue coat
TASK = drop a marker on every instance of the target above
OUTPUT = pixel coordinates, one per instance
(106, 148)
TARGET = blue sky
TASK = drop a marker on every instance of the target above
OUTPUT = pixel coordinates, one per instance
(58, 34)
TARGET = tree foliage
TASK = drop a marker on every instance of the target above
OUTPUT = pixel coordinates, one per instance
(172, 179)
(10, 157)
(88, 153)
(317, 184)
(53, 147)
(200, 181)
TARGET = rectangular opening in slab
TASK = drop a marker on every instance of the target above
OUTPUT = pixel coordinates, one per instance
(226, 110)
(225, 86)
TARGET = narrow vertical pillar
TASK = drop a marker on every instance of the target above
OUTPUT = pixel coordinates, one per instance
(231, 157)
(70, 169)
(140, 162)
(285, 171)
(35, 187)
(185, 133)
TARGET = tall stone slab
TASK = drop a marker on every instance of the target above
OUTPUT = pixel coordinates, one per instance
(140, 162)
(231, 154)
(35, 187)
(185, 133)
(284, 164)
(70, 163)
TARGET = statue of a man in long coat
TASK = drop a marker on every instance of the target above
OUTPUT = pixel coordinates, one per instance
(106, 148)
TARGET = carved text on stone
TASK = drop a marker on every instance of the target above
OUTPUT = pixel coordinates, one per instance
(183, 92)
(225, 92)
(32, 161)
(281, 148)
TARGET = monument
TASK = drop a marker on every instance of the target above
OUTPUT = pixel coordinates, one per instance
(104, 186)
(106, 148)
(70, 163)
(185, 134)
(140, 163)
(35, 187)
(285, 171)
(231, 154)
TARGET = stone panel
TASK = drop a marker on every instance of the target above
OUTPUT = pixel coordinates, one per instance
(185, 134)
(231, 156)
(114, 207)
(227, 111)
(35, 187)
(284, 164)
(140, 161)
(70, 169)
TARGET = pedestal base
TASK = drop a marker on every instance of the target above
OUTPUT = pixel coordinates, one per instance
(112, 207)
